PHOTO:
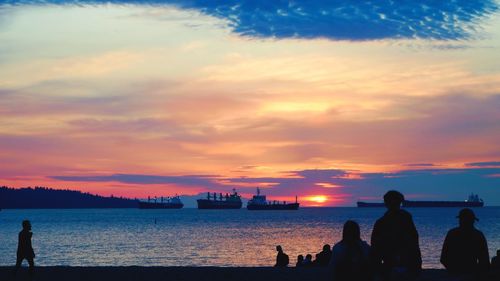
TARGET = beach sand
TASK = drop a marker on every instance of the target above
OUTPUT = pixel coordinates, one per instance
(134, 273)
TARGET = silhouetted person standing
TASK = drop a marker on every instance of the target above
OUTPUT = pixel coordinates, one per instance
(323, 257)
(351, 256)
(465, 251)
(395, 248)
(282, 258)
(24, 249)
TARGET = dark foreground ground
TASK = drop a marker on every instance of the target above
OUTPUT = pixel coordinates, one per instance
(135, 273)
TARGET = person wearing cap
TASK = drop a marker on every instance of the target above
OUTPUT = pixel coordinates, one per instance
(465, 250)
(395, 247)
(24, 248)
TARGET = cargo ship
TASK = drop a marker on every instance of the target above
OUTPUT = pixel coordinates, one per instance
(259, 202)
(229, 201)
(472, 202)
(163, 203)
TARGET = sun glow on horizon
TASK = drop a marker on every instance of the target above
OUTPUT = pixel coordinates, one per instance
(317, 200)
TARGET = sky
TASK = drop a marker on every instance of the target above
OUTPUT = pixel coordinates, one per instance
(333, 101)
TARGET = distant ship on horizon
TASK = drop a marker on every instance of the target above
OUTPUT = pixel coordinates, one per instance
(259, 202)
(229, 201)
(167, 203)
(472, 202)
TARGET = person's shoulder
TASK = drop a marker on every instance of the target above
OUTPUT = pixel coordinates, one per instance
(478, 233)
(405, 213)
(454, 231)
(381, 220)
(339, 246)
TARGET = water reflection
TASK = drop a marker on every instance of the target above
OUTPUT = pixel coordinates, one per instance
(208, 238)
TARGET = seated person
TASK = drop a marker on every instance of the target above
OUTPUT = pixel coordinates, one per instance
(308, 261)
(465, 250)
(282, 258)
(351, 256)
(300, 261)
(323, 257)
(495, 262)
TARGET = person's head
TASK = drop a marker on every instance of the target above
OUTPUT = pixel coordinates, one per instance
(466, 218)
(26, 225)
(300, 258)
(393, 200)
(326, 247)
(309, 257)
(279, 249)
(351, 232)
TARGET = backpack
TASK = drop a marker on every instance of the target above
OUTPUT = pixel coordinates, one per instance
(286, 260)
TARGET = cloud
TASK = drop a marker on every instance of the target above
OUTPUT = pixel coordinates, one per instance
(420, 165)
(208, 181)
(338, 185)
(484, 164)
(337, 20)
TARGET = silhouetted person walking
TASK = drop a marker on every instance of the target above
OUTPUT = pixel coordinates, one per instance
(323, 257)
(465, 251)
(24, 249)
(395, 248)
(351, 256)
(282, 258)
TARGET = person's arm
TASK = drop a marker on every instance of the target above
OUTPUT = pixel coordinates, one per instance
(332, 265)
(445, 251)
(30, 244)
(375, 255)
(416, 245)
(484, 256)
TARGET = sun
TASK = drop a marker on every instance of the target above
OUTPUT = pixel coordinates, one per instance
(318, 199)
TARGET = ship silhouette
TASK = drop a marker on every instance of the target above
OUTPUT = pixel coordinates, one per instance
(167, 203)
(472, 202)
(259, 202)
(229, 201)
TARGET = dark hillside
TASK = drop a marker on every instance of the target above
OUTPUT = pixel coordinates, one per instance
(47, 198)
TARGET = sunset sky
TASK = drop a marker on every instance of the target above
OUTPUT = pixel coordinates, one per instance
(333, 101)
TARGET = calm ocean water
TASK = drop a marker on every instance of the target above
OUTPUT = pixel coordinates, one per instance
(191, 237)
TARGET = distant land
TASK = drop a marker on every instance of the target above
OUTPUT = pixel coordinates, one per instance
(48, 198)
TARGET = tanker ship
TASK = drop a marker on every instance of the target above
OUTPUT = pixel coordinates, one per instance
(169, 203)
(259, 202)
(472, 202)
(229, 201)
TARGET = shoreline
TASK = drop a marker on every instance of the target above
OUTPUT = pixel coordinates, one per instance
(139, 273)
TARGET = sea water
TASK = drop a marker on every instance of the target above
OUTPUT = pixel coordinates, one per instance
(191, 237)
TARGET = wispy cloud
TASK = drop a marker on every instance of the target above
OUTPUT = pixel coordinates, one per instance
(484, 164)
(420, 165)
(342, 189)
(208, 181)
(339, 20)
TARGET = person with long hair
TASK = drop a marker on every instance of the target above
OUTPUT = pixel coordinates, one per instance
(351, 256)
